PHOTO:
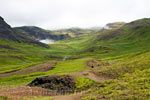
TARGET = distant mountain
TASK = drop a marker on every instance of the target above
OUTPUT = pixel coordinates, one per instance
(133, 33)
(77, 32)
(114, 25)
(39, 33)
(135, 29)
(8, 33)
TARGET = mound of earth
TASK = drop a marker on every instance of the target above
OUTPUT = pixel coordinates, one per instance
(61, 84)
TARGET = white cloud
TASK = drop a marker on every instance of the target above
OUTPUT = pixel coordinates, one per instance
(53, 14)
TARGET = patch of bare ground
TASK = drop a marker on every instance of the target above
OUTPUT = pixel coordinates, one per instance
(32, 69)
(91, 75)
(19, 92)
(96, 64)
(77, 96)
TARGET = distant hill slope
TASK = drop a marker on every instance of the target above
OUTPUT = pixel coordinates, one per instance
(127, 51)
(115, 25)
(8, 33)
(136, 30)
(60, 34)
(132, 35)
(77, 32)
(39, 33)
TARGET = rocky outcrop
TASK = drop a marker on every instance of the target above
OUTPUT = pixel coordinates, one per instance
(39, 33)
(6, 31)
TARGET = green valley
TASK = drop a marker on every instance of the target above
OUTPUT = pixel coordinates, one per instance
(113, 64)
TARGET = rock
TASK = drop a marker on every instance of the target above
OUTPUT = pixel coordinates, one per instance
(59, 83)
(1, 18)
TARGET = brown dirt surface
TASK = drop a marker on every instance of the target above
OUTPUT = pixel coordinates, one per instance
(20, 92)
(70, 97)
(32, 69)
(91, 75)
(96, 64)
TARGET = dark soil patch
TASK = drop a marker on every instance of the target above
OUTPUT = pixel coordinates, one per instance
(62, 84)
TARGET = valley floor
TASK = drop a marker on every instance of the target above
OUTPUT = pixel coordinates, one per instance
(23, 91)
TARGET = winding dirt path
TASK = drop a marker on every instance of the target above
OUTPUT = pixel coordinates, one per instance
(32, 69)
(87, 74)
(20, 92)
(91, 75)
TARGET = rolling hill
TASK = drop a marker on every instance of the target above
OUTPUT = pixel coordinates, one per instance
(111, 64)
(8, 33)
(60, 34)
(39, 33)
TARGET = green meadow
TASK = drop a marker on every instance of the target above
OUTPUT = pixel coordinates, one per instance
(128, 54)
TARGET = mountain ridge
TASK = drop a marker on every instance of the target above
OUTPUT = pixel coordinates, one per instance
(39, 33)
(8, 33)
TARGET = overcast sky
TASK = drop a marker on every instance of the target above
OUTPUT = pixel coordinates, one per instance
(56, 14)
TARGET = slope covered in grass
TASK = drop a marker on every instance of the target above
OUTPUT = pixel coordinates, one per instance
(125, 52)
(129, 62)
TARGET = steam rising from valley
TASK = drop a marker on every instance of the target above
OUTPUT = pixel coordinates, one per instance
(47, 41)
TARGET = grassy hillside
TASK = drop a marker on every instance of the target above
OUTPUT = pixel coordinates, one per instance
(123, 55)
(128, 58)
(77, 32)
(128, 52)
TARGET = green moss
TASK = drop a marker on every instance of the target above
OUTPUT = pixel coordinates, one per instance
(84, 83)
(89, 98)
(3, 98)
